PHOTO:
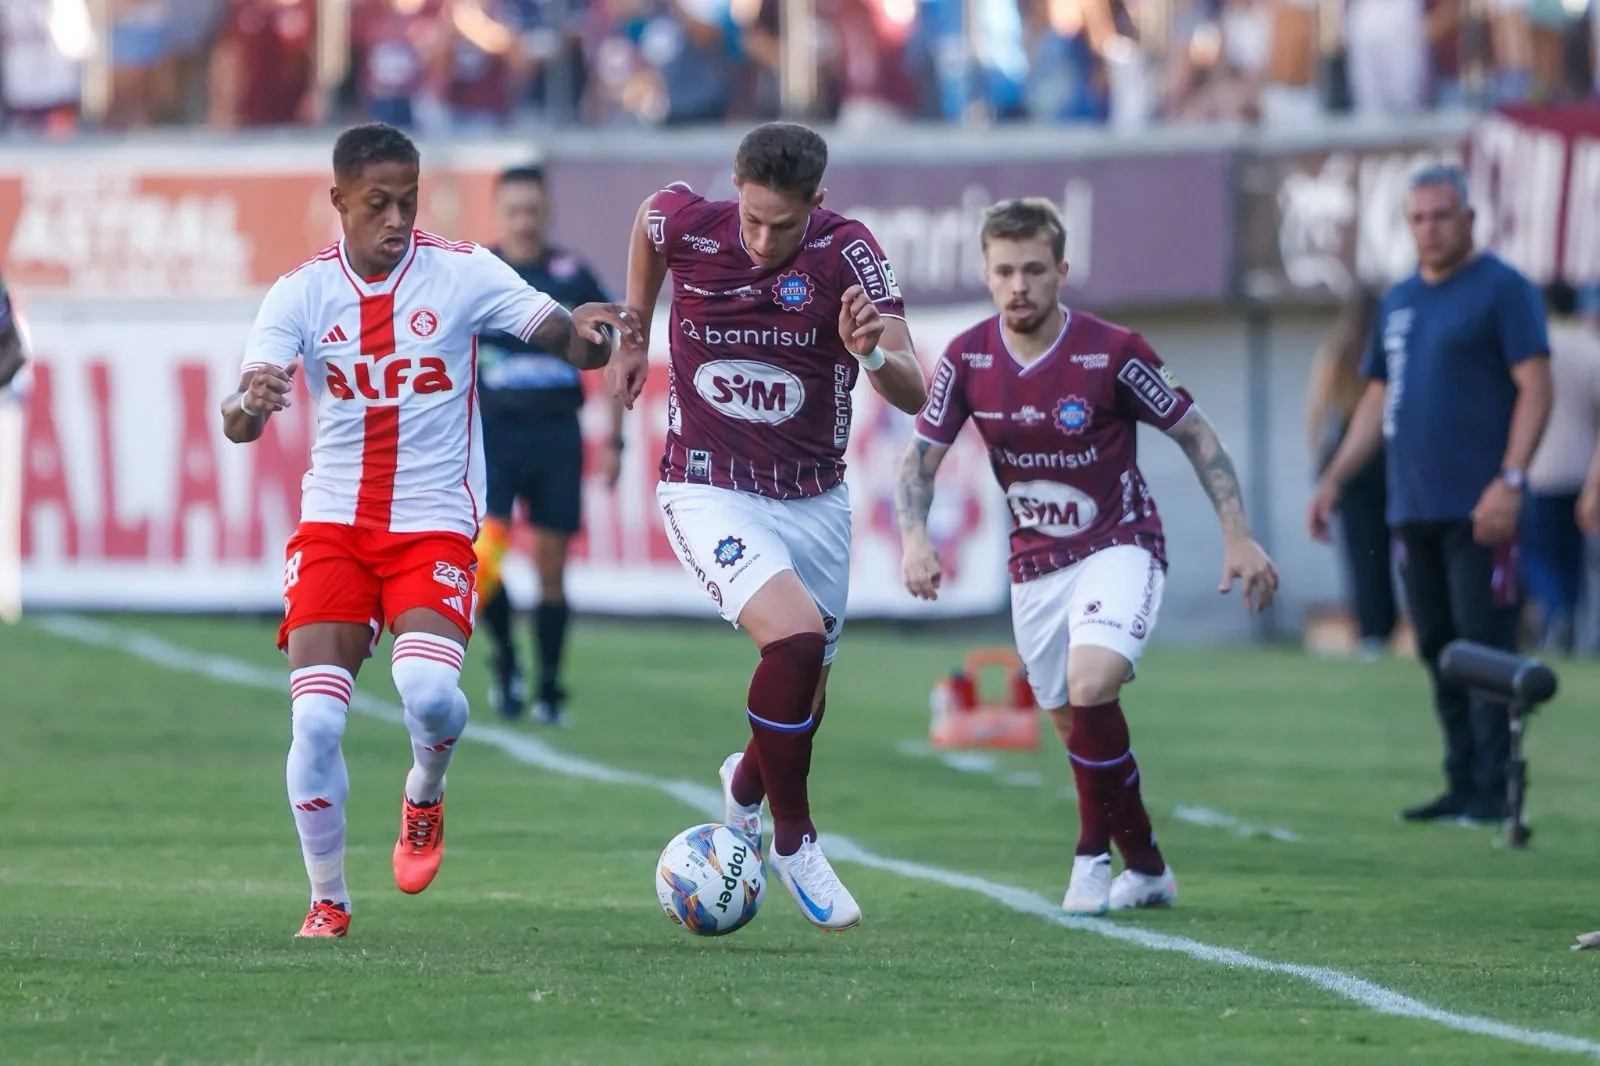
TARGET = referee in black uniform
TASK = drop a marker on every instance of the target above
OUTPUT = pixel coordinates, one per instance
(533, 446)
(11, 357)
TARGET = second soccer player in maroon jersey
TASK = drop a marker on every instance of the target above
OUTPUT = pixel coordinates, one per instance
(778, 306)
(1057, 396)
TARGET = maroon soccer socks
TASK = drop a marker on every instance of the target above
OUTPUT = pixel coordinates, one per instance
(1110, 807)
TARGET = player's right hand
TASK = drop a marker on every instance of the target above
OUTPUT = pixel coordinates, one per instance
(922, 570)
(1319, 518)
(268, 389)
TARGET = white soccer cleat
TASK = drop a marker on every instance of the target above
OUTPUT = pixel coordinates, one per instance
(1089, 891)
(735, 815)
(1132, 889)
(810, 879)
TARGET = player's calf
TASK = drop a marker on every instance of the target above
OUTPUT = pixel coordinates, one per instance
(427, 672)
(317, 779)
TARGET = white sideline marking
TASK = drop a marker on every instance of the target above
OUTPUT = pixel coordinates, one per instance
(977, 762)
(708, 801)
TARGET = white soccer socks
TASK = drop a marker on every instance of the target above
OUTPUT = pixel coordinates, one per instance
(318, 781)
(427, 674)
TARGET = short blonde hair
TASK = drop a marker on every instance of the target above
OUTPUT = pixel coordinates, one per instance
(1022, 218)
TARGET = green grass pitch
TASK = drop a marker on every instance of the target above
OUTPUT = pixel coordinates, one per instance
(150, 879)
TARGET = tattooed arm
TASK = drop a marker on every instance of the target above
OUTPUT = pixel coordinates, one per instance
(920, 567)
(584, 337)
(1198, 439)
(1243, 559)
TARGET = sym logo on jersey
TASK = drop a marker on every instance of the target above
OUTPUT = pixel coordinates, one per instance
(400, 374)
(749, 390)
(1043, 460)
(1051, 508)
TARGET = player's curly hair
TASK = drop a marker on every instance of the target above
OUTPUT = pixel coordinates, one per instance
(374, 142)
(1022, 218)
(785, 156)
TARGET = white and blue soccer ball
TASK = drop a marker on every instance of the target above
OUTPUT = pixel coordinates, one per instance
(711, 879)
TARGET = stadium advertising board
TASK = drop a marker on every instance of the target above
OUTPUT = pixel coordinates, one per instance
(1315, 226)
(1141, 231)
(133, 499)
(1536, 178)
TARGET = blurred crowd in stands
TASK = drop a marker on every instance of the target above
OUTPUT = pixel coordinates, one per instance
(465, 64)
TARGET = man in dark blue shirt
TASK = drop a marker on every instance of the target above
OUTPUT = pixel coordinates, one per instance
(1459, 392)
(533, 446)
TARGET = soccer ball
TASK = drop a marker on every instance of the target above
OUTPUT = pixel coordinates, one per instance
(711, 879)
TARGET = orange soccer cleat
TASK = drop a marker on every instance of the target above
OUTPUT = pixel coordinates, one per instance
(420, 849)
(326, 918)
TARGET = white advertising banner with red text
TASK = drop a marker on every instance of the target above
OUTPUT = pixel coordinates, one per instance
(134, 500)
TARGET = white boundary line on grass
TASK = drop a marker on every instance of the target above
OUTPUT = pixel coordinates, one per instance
(985, 764)
(708, 802)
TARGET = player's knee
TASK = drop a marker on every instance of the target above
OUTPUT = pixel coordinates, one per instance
(427, 674)
(317, 722)
(800, 656)
(1095, 679)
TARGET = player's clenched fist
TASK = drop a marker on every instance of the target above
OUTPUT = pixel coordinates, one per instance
(267, 390)
(860, 325)
(922, 570)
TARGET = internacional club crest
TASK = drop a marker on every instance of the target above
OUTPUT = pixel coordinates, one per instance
(1072, 415)
(792, 290)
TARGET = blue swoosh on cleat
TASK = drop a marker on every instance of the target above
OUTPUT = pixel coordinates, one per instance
(816, 912)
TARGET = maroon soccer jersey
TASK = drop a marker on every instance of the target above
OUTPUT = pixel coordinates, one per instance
(1062, 434)
(759, 381)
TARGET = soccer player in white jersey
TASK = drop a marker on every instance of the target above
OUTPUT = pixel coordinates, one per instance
(1057, 397)
(778, 306)
(383, 327)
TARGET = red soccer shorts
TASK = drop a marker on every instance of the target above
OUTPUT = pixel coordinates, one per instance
(337, 573)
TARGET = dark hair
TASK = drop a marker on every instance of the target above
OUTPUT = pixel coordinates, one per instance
(784, 156)
(1022, 218)
(375, 142)
(528, 174)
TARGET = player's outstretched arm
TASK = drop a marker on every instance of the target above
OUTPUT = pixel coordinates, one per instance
(885, 349)
(920, 566)
(587, 334)
(647, 268)
(261, 391)
(1243, 559)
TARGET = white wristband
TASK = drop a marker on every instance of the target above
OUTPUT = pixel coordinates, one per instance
(872, 360)
(246, 408)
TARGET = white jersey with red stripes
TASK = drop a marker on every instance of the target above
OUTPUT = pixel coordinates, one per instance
(391, 366)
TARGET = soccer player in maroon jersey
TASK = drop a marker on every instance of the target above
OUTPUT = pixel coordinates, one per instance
(778, 305)
(1057, 396)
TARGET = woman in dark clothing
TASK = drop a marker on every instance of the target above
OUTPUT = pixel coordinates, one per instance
(1336, 388)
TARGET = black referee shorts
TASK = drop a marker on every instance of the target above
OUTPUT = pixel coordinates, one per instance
(542, 466)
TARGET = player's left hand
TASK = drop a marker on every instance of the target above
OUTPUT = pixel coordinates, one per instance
(1494, 520)
(1245, 562)
(589, 322)
(860, 325)
(626, 373)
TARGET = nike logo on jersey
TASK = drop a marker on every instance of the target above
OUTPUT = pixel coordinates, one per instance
(334, 334)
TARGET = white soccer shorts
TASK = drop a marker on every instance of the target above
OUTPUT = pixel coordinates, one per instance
(733, 543)
(1110, 600)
